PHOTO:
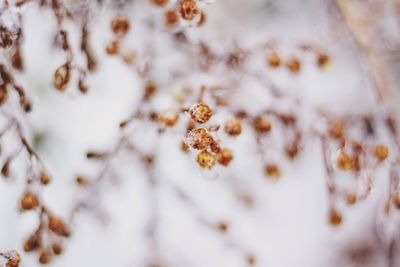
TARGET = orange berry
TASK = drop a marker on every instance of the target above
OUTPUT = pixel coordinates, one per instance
(381, 152)
(120, 26)
(225, 157)
(29, 201)
(335, 217)
(346, 162)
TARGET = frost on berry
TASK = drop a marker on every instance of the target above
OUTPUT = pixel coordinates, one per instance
(13, 258)
(294, 65)
(200, 112)
(199, 138)
(188, 9)
(206, 159)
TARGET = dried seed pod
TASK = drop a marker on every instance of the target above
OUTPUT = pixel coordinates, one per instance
(272, 170)
(169, 118)
(58, 226)
(345, 162)
(200, 112)
(206, 160)
(262, 125)
(120, 26)
(224, 157)
(188, 9)
(29, 201)
(44, 257)
(82, 86)
(294, 65)
(62, 77)
(7, 37)
(335, 217)
(199, 138)
(171, 18)
(381, 152)
(34, 242)
(233, 127)
(273, 60)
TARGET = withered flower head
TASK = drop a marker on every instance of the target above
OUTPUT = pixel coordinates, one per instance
(206, 160)
(199, 138)
(200, 112)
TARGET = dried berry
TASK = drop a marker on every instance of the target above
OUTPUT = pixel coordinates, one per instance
(113, 48)
(120, 26)
(336, 130)
(57, 248)
(171, 18)
(322, 60)
(223, 227)
(34, 242)
(346, 162)
(29, 201)
(224, 157)
(272, 170)
(44, 178)
(261, 124)
(233, 127)
(200, 112)
(381, 152)
(206, 160)
(294, 65)
(335, 217)
(44, 257)
(273, 60)
(199, 138)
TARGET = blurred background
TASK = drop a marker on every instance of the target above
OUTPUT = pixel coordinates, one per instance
(233, 216)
